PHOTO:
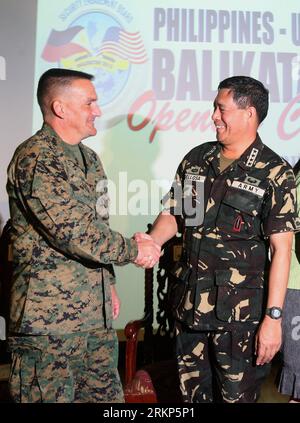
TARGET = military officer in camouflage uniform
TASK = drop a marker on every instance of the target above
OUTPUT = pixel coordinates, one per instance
(63, 298)
(235, 199)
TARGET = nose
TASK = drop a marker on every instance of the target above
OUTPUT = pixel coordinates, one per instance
(97, 111)
(215, 114)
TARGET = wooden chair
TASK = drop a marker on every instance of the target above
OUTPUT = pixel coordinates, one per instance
(155, 379)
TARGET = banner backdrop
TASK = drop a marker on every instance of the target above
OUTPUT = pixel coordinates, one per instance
(157, 65)
(17, 62)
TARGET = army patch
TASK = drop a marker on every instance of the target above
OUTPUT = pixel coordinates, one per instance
(247, 187)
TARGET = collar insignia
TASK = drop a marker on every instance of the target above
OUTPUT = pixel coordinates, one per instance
(252, 157)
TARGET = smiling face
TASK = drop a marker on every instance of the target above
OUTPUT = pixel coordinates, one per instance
(81, 109)
(232, 123)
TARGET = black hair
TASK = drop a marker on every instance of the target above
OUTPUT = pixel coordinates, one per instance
(247, 92)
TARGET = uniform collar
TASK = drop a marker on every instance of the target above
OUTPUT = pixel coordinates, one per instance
(55, 143)
(250, 156)
(212, 157)
(247, 160)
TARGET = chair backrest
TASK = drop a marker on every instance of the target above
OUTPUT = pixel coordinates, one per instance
(159, 341)
(150, 366)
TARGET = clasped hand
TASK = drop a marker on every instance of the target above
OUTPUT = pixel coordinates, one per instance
(148, 251)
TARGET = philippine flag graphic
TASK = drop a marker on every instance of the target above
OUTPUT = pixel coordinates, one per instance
(60, 45)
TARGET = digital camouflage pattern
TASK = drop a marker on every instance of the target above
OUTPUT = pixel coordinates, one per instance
(224, 267)
(70, 368)
(62, 247)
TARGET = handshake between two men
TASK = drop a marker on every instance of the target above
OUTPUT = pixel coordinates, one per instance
(149, 247)
(148, 250)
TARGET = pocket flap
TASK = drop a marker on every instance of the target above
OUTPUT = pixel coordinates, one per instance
(243, 200)
(239, 279)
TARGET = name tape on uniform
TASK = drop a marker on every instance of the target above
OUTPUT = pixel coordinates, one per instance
(247, 187)
(192, 177)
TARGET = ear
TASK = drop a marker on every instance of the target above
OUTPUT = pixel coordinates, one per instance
(58, 108)
(251, 112)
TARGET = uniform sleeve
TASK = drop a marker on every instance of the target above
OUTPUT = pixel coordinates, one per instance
(279, 214)
(69, 224)
(298, 195)
(172, 201)
(109, 274)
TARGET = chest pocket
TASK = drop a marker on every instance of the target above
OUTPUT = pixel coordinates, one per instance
(238, 214)
(82, 191)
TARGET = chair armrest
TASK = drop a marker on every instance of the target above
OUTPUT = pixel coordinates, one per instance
(131, 332)
(141, 389)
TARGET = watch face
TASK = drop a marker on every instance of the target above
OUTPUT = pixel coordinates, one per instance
(274, 312)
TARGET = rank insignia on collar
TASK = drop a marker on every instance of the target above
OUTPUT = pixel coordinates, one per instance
(209, 153)
(252, 157)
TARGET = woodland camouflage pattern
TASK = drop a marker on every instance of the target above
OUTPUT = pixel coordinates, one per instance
(225, 258)
(223, 272)
(62, 248)
(234, 365)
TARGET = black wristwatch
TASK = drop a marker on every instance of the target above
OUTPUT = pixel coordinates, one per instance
(274, 312)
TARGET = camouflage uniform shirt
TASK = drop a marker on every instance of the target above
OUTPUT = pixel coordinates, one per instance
(62, 247)
(225, 255)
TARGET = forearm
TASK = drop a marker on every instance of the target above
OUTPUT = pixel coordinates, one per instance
(268, 338)
(164, 228)
(279, 274)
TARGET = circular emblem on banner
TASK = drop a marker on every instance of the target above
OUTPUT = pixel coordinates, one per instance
(97, 43)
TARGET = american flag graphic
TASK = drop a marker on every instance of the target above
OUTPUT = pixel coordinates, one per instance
(126, 45)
